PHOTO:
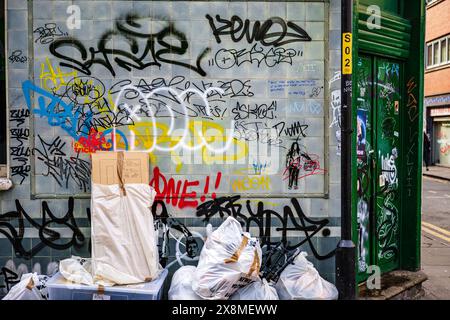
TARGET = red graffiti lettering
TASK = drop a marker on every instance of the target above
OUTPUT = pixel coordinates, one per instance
(95, 141)
(168, 190)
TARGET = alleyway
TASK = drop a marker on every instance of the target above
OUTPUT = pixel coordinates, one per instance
(436, 237)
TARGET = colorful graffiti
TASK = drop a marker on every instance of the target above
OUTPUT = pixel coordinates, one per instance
(197, 91)
(388, 142)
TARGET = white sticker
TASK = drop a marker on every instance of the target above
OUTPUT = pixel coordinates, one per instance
(382, 181)
(97, 296)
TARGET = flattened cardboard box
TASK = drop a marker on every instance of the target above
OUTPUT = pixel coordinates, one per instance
(136, 168)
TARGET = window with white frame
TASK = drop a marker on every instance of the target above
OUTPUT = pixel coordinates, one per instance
(438, 52)
(431, 1)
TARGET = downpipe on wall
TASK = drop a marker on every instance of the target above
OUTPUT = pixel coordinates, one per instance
(346, 250)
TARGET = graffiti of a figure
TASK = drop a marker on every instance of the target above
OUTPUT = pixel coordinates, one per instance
(293, 160)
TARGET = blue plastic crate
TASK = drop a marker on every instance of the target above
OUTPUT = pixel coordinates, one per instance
(61, 289)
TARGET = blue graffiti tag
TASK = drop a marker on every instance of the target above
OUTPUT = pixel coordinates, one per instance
(60, 113)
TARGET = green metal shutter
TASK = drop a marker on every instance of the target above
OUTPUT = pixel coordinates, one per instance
(392, 39)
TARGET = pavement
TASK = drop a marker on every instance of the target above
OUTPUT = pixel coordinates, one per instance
(436, 233)
(438, 172)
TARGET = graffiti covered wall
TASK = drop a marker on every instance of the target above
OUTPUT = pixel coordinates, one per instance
(236, 103)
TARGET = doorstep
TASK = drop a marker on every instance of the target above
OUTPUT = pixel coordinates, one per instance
(396, 285)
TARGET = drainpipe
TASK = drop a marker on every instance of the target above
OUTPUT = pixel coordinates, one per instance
(346, 250)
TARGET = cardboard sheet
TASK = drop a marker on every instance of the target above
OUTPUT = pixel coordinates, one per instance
(136, 168)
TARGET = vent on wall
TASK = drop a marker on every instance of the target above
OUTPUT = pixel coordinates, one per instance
(391, 39)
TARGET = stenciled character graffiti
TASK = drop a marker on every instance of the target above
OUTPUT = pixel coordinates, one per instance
(300, 164)
(293, 160)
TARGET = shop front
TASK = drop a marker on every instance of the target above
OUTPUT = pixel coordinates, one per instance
(438, 120)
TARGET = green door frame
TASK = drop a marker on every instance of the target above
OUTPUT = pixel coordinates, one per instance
(412, 13)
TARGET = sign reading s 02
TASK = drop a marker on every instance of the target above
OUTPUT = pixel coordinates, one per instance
(347, 62)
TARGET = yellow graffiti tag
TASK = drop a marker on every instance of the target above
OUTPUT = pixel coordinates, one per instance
(53, 79)
(251, 183)
(212, 132)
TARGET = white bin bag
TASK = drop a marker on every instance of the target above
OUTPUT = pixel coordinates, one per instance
(230, 259)
(30, 287)
(78, 270)
(124, 248)
(181, 286)
(301, 281)
(258, 290)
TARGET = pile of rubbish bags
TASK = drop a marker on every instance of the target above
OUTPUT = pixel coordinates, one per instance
(124, 250)
(229, 268)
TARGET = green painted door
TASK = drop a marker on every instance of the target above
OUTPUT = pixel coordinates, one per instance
(365, 161)
(388, 106)
(378, 149)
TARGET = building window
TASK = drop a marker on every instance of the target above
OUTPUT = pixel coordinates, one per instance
(430, 55)
(438, 52)
(431, 1)
(448, 49)
(443, 51)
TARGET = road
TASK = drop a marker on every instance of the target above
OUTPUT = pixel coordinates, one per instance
(436, 238)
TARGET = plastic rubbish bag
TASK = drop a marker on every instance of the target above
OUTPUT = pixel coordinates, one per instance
(78, 270)
(301, 281)
(30, 287)
(230, 259)
(181, 286)
(124, 247)
(258, 290)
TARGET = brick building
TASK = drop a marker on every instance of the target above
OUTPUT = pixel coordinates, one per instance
(437, 83)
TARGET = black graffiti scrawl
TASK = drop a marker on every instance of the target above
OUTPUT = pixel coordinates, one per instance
(144, 49)
(292, 220)
(263, 33)
(48, 237)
